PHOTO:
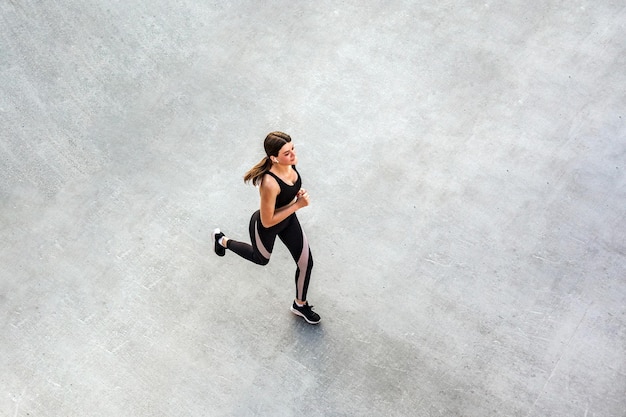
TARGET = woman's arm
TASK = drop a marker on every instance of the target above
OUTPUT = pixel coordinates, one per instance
(269, 190)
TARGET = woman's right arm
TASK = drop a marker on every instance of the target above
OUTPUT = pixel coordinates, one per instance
(269, 190)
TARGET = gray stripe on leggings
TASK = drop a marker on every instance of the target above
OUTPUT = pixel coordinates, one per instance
(303, 263)
(259, 244)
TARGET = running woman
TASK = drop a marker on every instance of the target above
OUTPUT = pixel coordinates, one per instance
(281, 196)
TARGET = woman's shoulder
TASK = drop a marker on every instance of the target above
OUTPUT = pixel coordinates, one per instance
(269, 181)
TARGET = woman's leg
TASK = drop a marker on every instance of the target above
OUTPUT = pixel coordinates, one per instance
(294, 238)
(262, 242)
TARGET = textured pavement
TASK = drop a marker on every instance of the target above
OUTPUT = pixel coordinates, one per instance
(465, 162)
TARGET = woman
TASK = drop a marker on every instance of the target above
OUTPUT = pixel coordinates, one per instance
(281, 196)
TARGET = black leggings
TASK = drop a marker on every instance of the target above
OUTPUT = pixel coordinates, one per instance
(291, 234)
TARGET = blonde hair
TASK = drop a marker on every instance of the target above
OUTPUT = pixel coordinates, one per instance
(272, 144)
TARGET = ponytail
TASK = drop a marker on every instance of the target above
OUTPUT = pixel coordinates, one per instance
(255, 174)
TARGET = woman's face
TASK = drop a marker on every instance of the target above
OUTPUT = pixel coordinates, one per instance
(287, 154)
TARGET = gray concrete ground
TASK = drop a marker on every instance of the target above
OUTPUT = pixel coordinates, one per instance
(466, 166)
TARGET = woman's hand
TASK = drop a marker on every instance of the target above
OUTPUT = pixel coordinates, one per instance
(302, 198)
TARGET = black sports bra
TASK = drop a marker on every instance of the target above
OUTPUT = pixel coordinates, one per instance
(287, 192)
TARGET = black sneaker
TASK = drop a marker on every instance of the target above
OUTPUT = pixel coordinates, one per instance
(306, 313)
(219, 249)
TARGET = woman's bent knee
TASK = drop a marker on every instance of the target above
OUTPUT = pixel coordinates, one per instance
(261, 260)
